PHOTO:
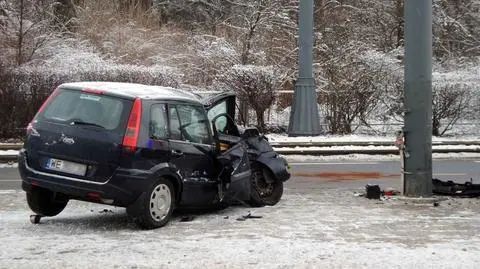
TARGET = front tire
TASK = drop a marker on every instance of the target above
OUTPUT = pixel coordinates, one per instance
(154, 208)
(46, 203)
(266, 190)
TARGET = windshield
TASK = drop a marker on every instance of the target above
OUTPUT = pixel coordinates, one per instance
(87, 109)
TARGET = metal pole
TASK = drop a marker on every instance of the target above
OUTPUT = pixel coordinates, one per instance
(418, 98)
(304, 119)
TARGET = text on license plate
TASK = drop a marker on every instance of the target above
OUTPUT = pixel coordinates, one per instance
(66, 167)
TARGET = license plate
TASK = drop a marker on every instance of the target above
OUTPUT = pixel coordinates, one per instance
(66, 167)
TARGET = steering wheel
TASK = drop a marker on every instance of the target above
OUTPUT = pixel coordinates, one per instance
(185, 133)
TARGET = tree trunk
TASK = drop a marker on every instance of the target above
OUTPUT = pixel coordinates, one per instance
(20, 35)
(243, 111)
(399, 13)
(435, 126)
(128, 5)
(65, 15)
(260, 119)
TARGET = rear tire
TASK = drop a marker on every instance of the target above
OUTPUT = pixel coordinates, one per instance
(154, 208)
(45, 203)
(266, 190)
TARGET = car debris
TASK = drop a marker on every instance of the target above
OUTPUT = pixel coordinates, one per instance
(373, 191)
(249, 216)
(105, 211)
(187, 218)
(451, 188)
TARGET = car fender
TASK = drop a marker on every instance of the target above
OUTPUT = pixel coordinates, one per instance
(171, 172)
(276, 164)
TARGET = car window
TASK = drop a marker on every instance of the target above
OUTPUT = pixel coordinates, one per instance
(76, 106)
(216, 110)
(175, 132)
(158, 121)
(194, 126)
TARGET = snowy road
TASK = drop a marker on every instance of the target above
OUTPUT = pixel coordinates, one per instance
(316, 228)
(318, 224)
(379, 171)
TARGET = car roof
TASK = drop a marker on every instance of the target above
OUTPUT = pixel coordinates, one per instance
(133, 90)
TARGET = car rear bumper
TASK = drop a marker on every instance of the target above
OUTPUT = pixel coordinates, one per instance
(122, 189)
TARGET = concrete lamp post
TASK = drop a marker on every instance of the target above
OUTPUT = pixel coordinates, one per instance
(304, 120)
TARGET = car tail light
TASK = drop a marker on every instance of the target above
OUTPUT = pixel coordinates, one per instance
(133, 126)
(49, 99)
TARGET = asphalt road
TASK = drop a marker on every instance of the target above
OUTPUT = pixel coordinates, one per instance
(348, 174)
(356, 174)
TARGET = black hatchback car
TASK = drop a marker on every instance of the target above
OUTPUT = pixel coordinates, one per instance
(150, 149)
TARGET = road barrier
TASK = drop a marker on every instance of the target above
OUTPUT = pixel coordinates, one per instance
(328, 148)
(365, 143)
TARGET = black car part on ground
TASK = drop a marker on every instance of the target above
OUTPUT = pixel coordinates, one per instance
(467, 189)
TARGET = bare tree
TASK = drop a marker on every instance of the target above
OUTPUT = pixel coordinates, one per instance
(255, 84)
(450, 103)
(24, 28)
(456, 28)
(135, 5)
(64, 15)
(349, 83)
(348, 97)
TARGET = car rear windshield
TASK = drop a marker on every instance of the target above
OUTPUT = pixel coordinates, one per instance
(88, 109)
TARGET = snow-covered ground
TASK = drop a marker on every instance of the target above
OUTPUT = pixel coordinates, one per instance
(318, 228)
(8, 152)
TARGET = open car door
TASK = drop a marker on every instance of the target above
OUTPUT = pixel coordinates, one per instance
(217, 103)
(234, 181)
(233, 154)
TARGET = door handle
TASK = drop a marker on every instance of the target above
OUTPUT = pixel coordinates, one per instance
(177, 153)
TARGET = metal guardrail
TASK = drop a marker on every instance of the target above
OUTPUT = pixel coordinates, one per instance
(18, 146)
(373, 151)
(11, 146)
(365, 143)
(324, 148)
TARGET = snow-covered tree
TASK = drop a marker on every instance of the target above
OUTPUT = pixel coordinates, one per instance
(255, 85)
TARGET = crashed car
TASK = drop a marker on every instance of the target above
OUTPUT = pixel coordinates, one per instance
(149, 149)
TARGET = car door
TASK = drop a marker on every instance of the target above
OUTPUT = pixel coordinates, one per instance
(192, 153)
(220, 104)
(219, 107)
(236, 173)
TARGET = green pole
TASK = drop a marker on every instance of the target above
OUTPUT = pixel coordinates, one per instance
(418, 98)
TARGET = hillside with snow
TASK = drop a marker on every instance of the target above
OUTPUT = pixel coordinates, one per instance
(249, 47)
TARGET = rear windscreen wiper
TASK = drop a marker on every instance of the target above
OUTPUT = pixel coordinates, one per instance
(86, 123)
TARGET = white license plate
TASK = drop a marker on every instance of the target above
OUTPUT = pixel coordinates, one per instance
(66, 167)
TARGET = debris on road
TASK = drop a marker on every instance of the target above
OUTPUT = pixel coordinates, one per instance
(35, 219)
(249, 216)
(358, 194)
(467, 189)
(372, 191)
(105, 211)
(187, 218)
(390, 192)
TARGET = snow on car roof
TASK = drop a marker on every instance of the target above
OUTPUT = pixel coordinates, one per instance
(134, 90)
